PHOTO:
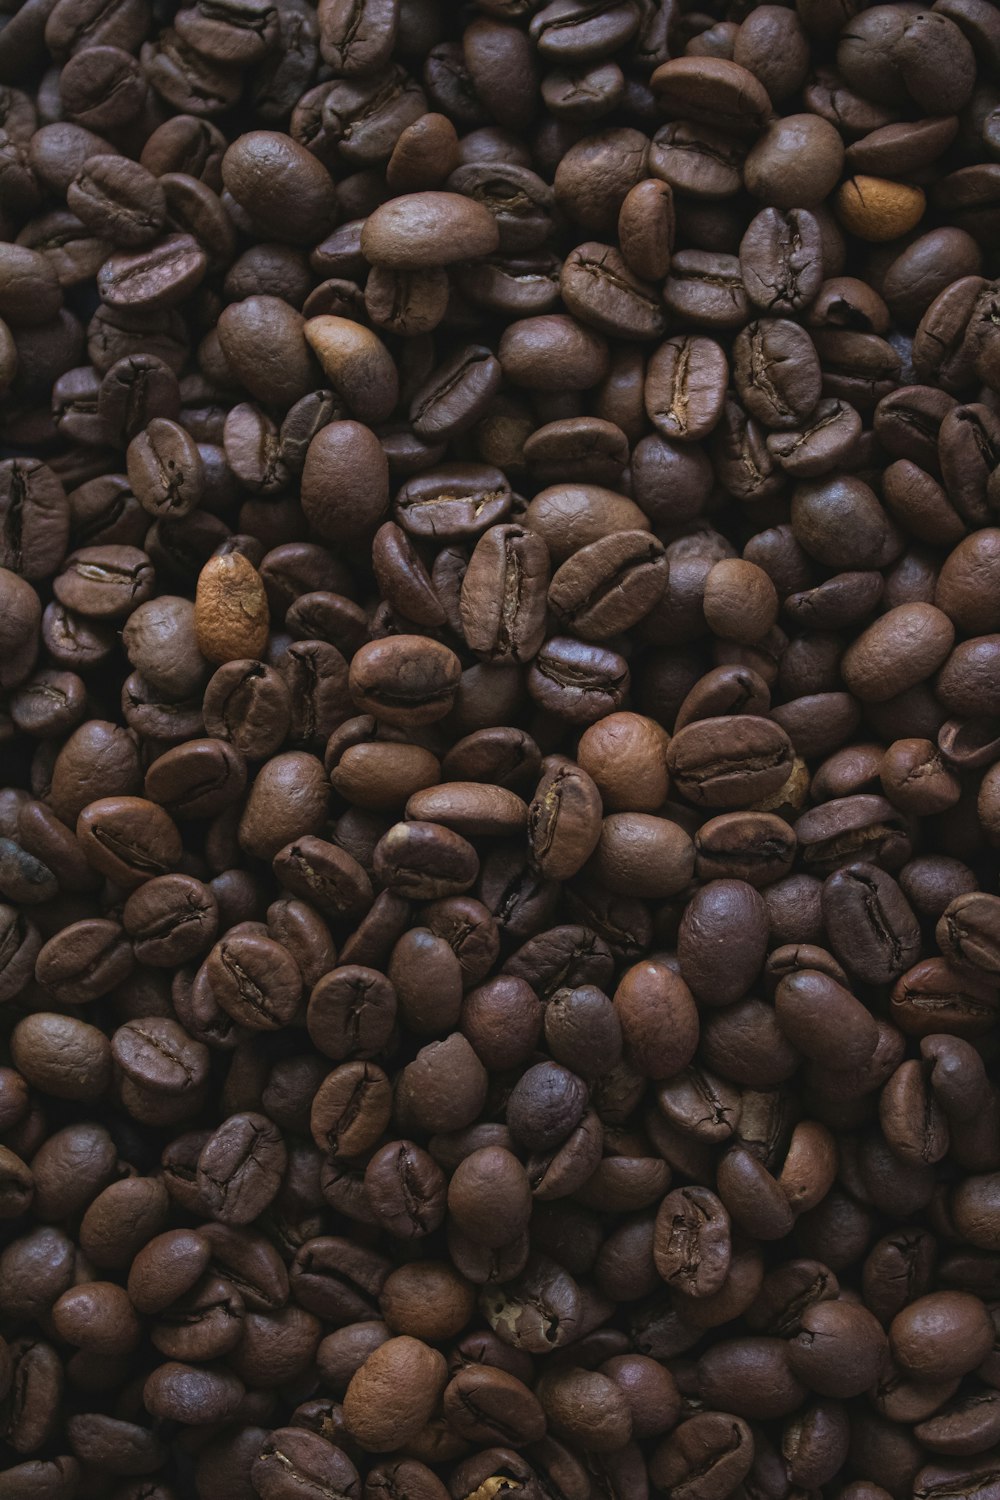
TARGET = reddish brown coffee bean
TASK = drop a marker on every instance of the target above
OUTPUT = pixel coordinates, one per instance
(414, 1372)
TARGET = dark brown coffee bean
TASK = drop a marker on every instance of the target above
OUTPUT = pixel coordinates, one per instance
(350, 1109)
(325, 875)
(240, 1168)
(691, 1247)
(407, 680)
(453, 501)
(658, 1019)
(293, 1459)
(967, 932)
(711, 1450)
(714, 91)
(570, 516)
(152, 279)
(609, 585)
(406, 1190)
(158, 1055)
(255, 980)
(810, 999)
(503, 594)
(685, 387)
(578, 681)
(351, 1012)
(425, 861)
(417, 1373)
(200, 778)
(192, 1394)
(564, 820)
(884, 934)
(34, 518)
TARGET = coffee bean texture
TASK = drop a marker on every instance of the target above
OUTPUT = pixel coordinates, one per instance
(499, 750)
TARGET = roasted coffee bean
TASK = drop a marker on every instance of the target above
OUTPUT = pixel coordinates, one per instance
(685, 387)
(756, 847)
(712, 1450)
(405, 1190)
(564, 820)
(325, 875)
(729, 761)
(34, 518)
(658, 1018)
(240, 1168)
(254, 980)
(406, 680)
(105, 583)
(577, 681)
(881, 938)
(197, 779)
(428, 229)
(809, 1003)
(128, 839)
(609, 585)
(293, 1459)
(351, 1012)
(691, 1244)
(158, 1056)
(425, 861)
(165, 469)
(453, 501)
(417, 1373)
(503, 594)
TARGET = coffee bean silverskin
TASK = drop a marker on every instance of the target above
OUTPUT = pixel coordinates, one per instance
(499, 749)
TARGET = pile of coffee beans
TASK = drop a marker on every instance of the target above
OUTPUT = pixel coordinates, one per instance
(500, 744)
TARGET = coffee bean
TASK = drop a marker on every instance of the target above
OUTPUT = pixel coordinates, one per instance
(710, 1448)
(289, 797)
(407, 680)
(240, 1168)
(428, 229)
(105, 583)
(350, 1109)
(152, 279)
(609, 585)
(293, 1459)
(658, 1019)
(967, 932)
(34, 518)
(599, 288)
(853, 1344)
(255, 980)
(568, 517)
(405, 1189)
(884, 936)
(692, 1244)
(576, 681)
(806, 994)
(128, 839)
(192, 1394)
(714, 91)
(418, 1375)
(563, 820)
(726, 761)
(425, 861)
(351, 1011)
(503, 594)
